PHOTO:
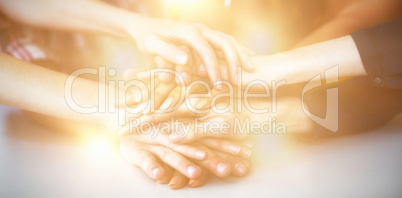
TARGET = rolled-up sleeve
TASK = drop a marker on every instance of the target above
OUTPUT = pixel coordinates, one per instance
(380, 49)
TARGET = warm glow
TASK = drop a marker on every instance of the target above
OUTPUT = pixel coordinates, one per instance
(174, 9)
(180, 2)
(100, 148)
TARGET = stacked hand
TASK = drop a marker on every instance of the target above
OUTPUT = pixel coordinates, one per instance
(180, 46)
(180, 139)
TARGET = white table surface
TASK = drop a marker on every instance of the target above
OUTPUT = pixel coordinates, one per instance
(38, 162)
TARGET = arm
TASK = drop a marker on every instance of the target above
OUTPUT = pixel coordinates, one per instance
(74, 15)
(380, 48)
(302, 64)
(154, 36)
(34, 88)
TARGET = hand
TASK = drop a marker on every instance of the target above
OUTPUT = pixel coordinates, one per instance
(199, 108)
(176, 180)
(165, 164)
(162, 38)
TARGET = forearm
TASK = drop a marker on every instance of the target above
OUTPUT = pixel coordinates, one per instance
(33, 88)
(303, 64)
(72, 15)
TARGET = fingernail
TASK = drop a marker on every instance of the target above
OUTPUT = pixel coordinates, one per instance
(156, 172)
(222, 167)
(203, 68)
(191, 170)
(163, 76)
(250, 65)
(182, 79)
(174, 181)
(200, 154)
(247, 152)
(175, 137)
(166, 104)
(218, 84)
(202, 104)
(181, 59)
(241, 168)
(235, 149)
(249, 144)
(184, 76)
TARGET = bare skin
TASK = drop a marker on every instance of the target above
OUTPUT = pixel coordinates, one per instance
(48, 97)
(154, 36)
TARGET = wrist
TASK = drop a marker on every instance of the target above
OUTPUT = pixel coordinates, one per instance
(133, 25)
(276, 67)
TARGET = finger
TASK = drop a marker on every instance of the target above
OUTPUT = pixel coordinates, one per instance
(179, 94)
(162, 92)
(142, 95)
(226, 45)
(184, 73)
(246, 152)
(140, 92)
(189, 151)
(205, 102)
(145, 160)
(164, 64)
(197, 41)
(167, 176)
(174, 100)
(136, 93)
(177, 161)
(143, 122)
(194, 183)
(157, 96)
(178, 181)
(186, 110)
(248, 50)
(245, 61)
(240, 166)
(167, 51)
(200, 67)
(199, 104)
(225, 146)
(220, 54)
(146, 75)
(184, 149)
(213, 127)
(214, 163)
(185, 70)
(148, 163)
